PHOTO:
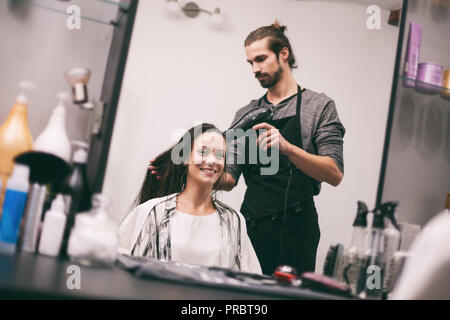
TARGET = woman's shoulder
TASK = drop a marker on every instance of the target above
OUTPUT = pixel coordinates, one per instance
(150, 204)
(224, 207)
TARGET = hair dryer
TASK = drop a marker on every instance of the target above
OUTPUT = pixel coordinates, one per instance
(252, 117)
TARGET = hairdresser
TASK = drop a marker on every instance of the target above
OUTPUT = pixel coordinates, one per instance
(309, 135)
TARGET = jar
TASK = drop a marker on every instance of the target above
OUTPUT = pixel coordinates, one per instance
(94, 238)
(429, 78)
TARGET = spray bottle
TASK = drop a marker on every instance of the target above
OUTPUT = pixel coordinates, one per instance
(391, 245)
(354, 255)
(15, 136)
(372, 271)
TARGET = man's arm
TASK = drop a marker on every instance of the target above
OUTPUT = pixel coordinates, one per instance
(321, 168)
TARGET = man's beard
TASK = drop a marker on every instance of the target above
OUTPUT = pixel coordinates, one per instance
(269, 81)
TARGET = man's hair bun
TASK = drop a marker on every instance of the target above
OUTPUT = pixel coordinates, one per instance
(278, 26)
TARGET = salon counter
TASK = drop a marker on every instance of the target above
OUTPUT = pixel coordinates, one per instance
(31, 276)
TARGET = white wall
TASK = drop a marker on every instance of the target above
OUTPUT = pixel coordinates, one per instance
(180, 72)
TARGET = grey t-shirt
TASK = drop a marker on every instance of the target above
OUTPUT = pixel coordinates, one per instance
(322, 131)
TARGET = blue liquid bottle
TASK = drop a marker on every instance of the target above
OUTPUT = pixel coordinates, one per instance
(13, 208)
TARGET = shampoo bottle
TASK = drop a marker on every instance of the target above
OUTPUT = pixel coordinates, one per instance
(54, 138)
(13, 208)
(15, 136)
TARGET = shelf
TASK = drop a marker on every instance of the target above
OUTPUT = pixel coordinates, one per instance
(116, 3)
(402, 80)
(61, 8)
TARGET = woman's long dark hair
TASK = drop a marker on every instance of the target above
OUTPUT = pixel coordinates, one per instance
(173, 176)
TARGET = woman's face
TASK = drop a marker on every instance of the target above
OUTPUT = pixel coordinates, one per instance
(207, 158)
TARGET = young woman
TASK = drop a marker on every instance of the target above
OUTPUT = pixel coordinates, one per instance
(178, 217)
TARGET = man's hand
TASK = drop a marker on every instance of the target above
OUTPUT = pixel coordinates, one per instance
(272, 138)
(321, 168)
(154, 170)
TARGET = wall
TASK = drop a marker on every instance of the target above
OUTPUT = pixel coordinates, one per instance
(180, 72)
(37, 46)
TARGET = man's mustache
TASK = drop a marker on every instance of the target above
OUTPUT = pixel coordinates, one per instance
(259, 74)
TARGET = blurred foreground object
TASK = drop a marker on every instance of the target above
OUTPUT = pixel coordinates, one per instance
(427, 271)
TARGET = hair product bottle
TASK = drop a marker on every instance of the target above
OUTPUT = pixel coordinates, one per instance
(15, 136)
(94, 239)
(391, 245)
(53, 228)
(13, 208)
(54, 138)
(75, 189)
(371, 276)
(354, 254)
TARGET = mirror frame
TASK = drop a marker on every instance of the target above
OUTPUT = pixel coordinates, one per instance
(112, 84)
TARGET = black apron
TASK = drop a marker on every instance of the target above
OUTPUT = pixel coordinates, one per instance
(281, 237)
(265, 194)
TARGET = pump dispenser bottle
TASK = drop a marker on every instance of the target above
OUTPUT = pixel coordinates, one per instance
(354, 255)
(54, 138)
(15, 136)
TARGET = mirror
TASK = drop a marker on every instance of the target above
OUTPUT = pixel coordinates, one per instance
(420, 127)
(42, 41)
(181, 72)
(47, 38)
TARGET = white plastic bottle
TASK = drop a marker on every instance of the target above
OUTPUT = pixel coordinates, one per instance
(54, 138)
(13, 208)
(53, 228)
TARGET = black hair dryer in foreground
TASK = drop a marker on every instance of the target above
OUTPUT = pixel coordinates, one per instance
(251, 118)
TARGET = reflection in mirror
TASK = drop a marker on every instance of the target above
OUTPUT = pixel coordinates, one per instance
(417, 167)
(180, 73)
(41, 48)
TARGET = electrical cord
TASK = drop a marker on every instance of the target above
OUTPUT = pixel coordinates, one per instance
(283, 220)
